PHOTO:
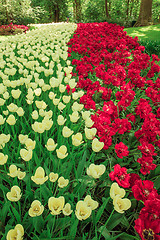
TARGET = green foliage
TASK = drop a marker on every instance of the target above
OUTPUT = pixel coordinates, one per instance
(94, 11)
(53, 10)
(16, 11)
(151, 47)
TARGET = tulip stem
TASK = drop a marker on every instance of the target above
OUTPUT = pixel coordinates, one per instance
(92, 154)
(19, 206)
(40, 193)
(106, 223)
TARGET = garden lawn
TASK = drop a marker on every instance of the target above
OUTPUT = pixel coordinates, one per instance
(145, 33)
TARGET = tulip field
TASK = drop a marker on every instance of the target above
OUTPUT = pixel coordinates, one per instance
(79, 135)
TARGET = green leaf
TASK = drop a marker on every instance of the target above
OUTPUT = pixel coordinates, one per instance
(38, 223)
(81, 165)
(126, 236)
(125, 221)
(16, 214)
(5, 210)
(104, 232)
(101, 209)
(73, 228)
(114, 221)
(45, 191)
(62, 223)
(157, 183)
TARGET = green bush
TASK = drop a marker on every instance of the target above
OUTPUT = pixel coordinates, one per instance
(151, 47)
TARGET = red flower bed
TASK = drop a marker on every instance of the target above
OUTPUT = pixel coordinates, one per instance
(122, 86)
(12, 29)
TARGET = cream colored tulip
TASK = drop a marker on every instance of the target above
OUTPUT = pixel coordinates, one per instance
(77, 107)
(75, 95)
(66, 99)
(12, 107)
(39, 176)
(115, 190)
(2, 120)
(89, 123)
(38, 91)
(82, 210)
(13, 172)
(74, 116)
(16, 93)
(15, 194)
(6, 95)
(6, 138)
(36, 209)
(6, 112)
(30, 144)
(62, 88)
(11, 120)
(62, 152)
(21, 174)
(53, 176)
(90, 202)
(86, 115)
(51, 145)
(3, 158)
(26, 155)
(90, 133)
(56, 101)
(120, 205)
(80, 93)
(72, 83)
(61, 106)
(95, 171)
(2, 102)
(20, 111)
(40, 104)
(56, 205)
(35, 115)
(47, 123)
(97, 145)
(67, 132)
(38, 127)
(77, 139)
(22, 138)
(49, 114)
(61, 120)
(52, 95)
(67, 209)
(62, 182)
(41, 112)
(16, 233)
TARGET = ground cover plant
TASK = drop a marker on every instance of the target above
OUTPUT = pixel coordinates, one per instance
(12, 29)
(79, 140)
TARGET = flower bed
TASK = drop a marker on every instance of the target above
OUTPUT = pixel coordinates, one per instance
(70, 126)
(12, 29)
(122, 89)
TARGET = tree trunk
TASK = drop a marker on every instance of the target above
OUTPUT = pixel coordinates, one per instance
(78, 10)
(56, 14)
(74, 11)
(145, 14)
(7, 14)
(109, 6)
(131, 9)
(106, 8)
(127, 10)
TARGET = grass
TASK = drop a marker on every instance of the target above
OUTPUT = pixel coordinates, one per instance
(145, 33)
